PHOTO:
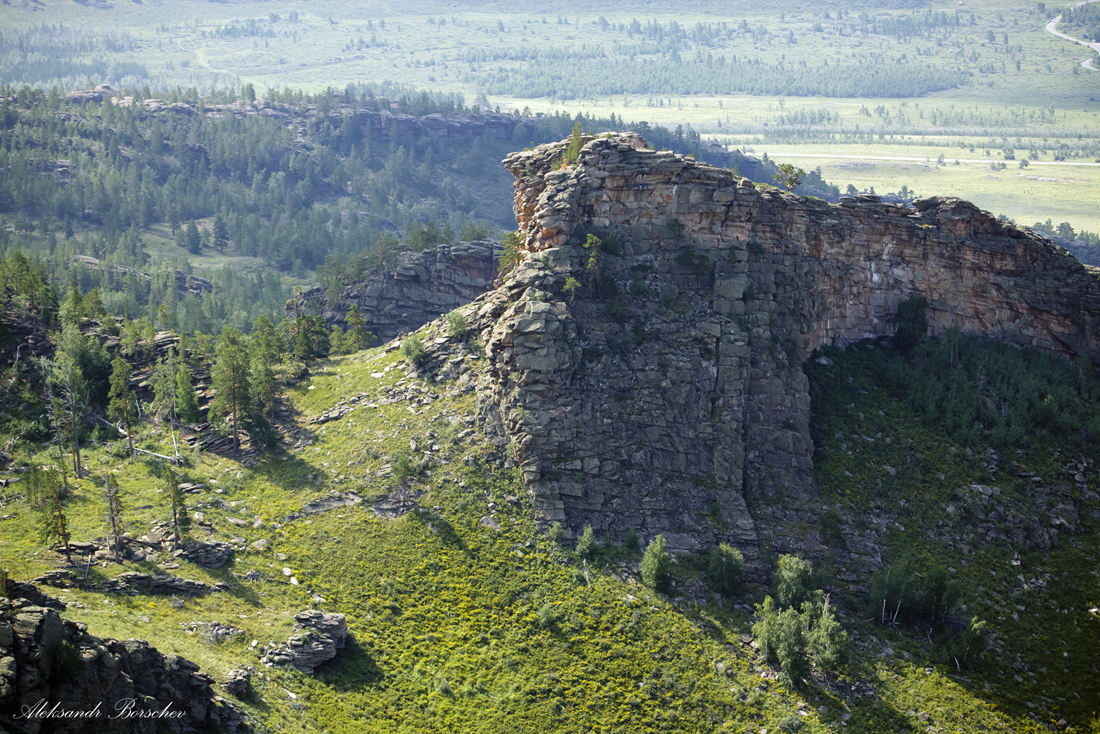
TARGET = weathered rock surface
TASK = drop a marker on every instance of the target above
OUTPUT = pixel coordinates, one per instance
(666, 394)
(237, 682)
(208, 554)
(132, 583)
(318, 638)
(407, 296)
(47, 659)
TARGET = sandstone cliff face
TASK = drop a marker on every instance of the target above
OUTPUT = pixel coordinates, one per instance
(45, 658)
(424, 286)
(666, 393)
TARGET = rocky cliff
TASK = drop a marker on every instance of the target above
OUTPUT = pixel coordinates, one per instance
(55, 677)
(406, 296)
(662, 390)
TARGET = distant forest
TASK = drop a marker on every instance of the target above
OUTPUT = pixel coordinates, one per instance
(324, 184)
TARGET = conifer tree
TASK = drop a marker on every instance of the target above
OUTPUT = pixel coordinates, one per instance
(187, 405)
(265, 386)
(230, 377)
(191, 238)
(357, 329)
(123, 405)
(179, 519)
(164, 385)
(46, 491)
(114, 515)
(221, 233)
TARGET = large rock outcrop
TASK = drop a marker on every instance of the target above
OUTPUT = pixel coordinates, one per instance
(50, 666)
(420, 288)
(317, 638)
(661, 389)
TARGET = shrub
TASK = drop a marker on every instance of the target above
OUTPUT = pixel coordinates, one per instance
(456, 325)
(656, 563)
(412, 349)
(587, 542)
(555, 533)
(793, 579)
(548, 616)
(724, 568)
(512, 252)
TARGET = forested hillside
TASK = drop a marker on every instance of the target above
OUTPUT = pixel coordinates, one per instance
(258, 195)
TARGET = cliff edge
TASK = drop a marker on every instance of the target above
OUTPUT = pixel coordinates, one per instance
(652, 380)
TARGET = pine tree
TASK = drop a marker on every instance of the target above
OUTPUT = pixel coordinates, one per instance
(179, 519)
(164, 385)
(187, 405)
(45, 490)
(230, 375)
(114, 515)
(191, 239)
(265, 386)
(221, 233)
(356, 328)
(123, 405)
(66, 402)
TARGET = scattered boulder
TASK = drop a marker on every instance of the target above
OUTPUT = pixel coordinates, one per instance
(318, 637)
(237, 682)
(213, 632)
(208, 554)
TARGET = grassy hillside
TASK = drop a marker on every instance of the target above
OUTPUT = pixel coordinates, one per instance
(464, 617)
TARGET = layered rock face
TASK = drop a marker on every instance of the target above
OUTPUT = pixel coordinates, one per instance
(407, 296)
(661, 390)
(50, 665)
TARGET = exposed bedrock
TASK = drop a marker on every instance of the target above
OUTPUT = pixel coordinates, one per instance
(664, 393)
(406, 296)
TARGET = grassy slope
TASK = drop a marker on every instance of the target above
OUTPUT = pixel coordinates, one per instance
(459, 627)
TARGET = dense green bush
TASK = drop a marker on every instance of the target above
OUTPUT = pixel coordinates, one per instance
(412, 349)
(656, 563)
(793, 579)
(798, 628)
(725, 565)
(587, 543)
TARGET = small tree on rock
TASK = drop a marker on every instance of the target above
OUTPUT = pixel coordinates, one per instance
(789, 176)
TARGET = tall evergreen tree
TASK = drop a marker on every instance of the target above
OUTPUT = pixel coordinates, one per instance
(357, 329)
(46, 490)
(230, 375)
(221, 233)
(114, 516)
(123, 405)
(191, 238)
(187, 404)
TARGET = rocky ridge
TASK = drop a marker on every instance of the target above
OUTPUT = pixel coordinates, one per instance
(408, 295)
(662, 390)
(45, 658)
